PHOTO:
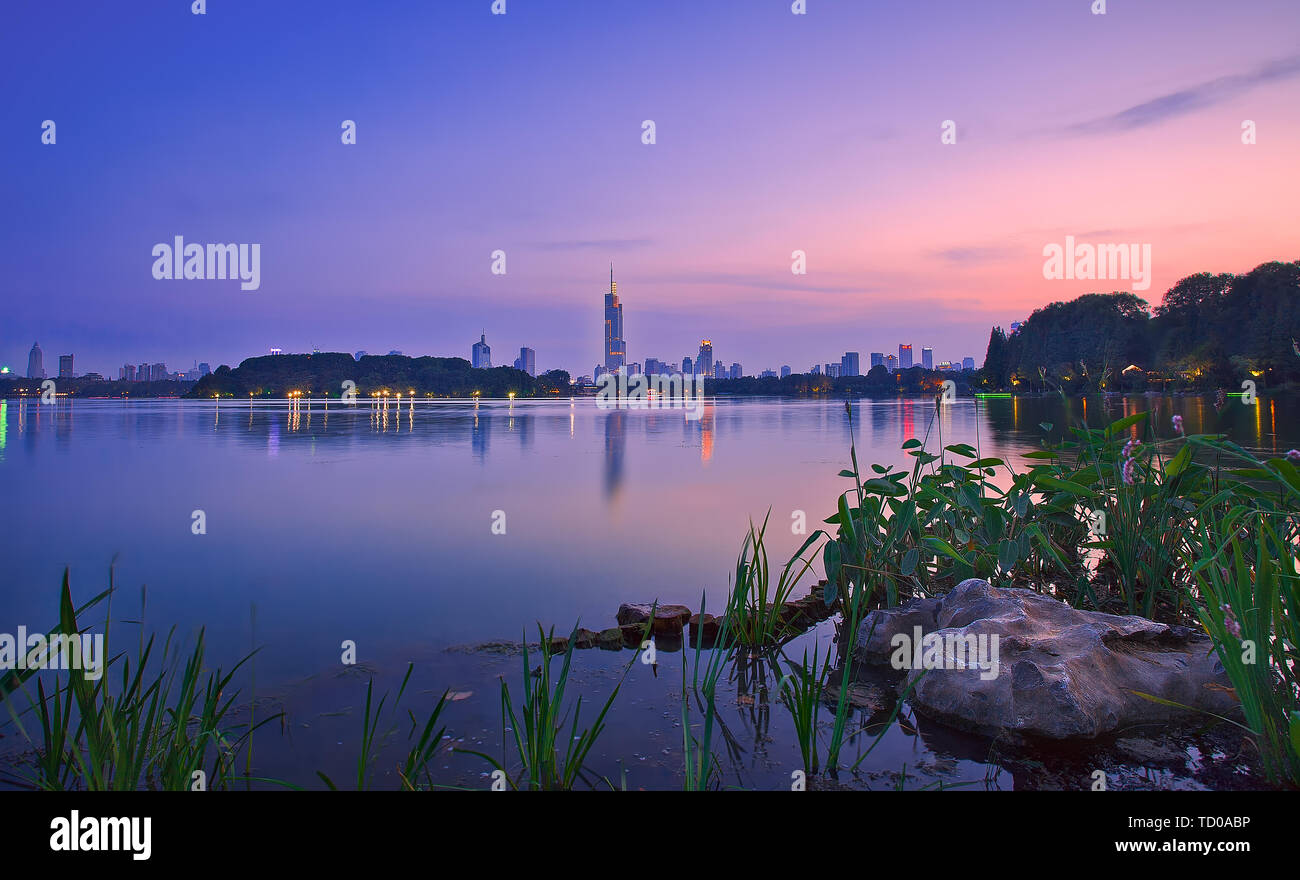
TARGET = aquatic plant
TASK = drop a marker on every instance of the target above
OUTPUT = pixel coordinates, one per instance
(163, 728)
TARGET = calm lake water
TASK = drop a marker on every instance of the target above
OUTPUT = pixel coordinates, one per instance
(348, 524)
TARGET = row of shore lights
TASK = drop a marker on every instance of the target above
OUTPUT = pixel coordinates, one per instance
(297, 394)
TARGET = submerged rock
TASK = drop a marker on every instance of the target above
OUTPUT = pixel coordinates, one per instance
(992, 660)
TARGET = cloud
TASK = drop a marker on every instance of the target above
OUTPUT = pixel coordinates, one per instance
(975, 254)
(1189, 100)
(766, 281)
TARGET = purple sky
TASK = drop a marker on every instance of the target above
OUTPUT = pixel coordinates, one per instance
(522, 132)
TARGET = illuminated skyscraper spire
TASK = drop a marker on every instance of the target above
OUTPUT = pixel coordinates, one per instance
(615, 348)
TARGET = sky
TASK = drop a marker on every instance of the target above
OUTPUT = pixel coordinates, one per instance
(523, 132)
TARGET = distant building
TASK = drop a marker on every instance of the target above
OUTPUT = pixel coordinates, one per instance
(687, 368)
(653, 367)
(735, 372)
(615, 347)
(767, 374)
(891, 363)
(527, 361)
(634, 369)
(94, 377)
(904, 356)
(719, 371)
(65, 366)
(945, 366)
(35, 362)
(481, 353)
(785, 370)
(204, 369)
(833, 370)
(584, 380)
(126, 373)
(599, 371)
(396, 353)
(815, 370)
(927, 358)
(704, 362)
(877, 359)
(158, 373)
(849, 364)
(142, 373)
(1015, 327)
(277, 351)
(968, 363)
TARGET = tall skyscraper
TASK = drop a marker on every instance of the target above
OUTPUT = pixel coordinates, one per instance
(142, 373)
(158, 373)
(704, 362)
(735, 372)
(719, 371)
(849, 364)
(904, 356)
(891, 363)
(481, 353)
(833, 371)
(927, 358)
(127, 373)
(527, 361)
(968, 363)
(615, 347)
(35, 362)
(688, 368)
(65, 366)
(877, 359)
(785, 370)
(204, 369)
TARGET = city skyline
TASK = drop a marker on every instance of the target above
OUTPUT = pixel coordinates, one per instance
(904, 235)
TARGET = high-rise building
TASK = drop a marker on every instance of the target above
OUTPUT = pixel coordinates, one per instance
(815, 370)
(785, 370)
(767, 374)
(634, 369)
(735, 372)
(126, 373)
(891, 363)
(904, 356)
(719, 371)
(849, 364)
(527, 361)
(877, 359)
(481, 353)
(968, 363)
(204, 369)
(927, 358)
(833, 371)
(142, 373)
(688, 367)
(615, 347)
(35, 362)
(65, 366)
(704, 362)
(158, 373)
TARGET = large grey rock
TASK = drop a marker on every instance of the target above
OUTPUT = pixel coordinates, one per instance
(1045, 669)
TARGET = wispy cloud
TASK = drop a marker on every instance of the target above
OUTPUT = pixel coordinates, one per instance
(1189, 100)
(975, 254)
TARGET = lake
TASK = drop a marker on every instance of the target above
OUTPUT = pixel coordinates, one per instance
(326, 524)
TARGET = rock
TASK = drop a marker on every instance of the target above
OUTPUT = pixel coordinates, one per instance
(704, 631)
(1044, 668)
(559, 644)
(861, 695)
(668, 618)
(610, 639)
(585, 638)
(633, 634)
